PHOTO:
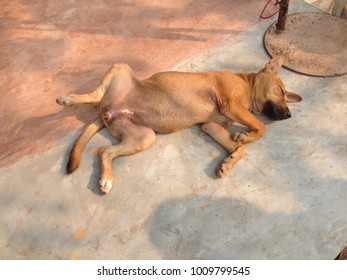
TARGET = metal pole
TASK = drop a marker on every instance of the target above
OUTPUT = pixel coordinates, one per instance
(282, 15)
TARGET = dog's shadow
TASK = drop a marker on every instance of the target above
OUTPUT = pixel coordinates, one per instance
(93, 183)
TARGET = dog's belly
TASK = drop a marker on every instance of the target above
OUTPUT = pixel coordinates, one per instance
(167, 123)
(163, 119)
(176, 119)
(173, 114)
(166, 103)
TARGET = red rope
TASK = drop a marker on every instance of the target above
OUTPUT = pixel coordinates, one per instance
(267, 4)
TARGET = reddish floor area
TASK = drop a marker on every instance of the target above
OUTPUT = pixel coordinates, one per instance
(49, 48)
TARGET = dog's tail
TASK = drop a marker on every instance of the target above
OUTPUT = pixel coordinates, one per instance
(80, 144)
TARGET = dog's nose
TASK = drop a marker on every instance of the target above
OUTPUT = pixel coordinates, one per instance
(288, 115)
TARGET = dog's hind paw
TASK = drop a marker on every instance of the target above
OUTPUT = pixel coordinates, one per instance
(105, 184)
(228, 163)
(64, 100)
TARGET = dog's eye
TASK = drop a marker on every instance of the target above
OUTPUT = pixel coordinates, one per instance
(283, 92)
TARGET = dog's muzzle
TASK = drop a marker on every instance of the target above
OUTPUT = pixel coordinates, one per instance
(275, 111)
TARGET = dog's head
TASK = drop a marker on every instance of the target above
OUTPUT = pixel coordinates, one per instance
(269, 94)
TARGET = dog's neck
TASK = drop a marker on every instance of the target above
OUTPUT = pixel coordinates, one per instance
(250, 77)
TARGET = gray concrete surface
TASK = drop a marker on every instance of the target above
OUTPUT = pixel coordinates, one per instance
(286, 199)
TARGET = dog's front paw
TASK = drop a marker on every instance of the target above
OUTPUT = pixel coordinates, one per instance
(223, 168)
(105, 184)
(228, 163)
(241, 137)
(65, 100)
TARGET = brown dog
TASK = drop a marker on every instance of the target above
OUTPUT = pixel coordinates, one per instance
(134, 110)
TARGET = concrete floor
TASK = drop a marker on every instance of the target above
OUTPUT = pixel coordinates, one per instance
(284, 200)
(327, 6)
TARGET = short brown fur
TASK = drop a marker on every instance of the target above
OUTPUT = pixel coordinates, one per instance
(133, 110)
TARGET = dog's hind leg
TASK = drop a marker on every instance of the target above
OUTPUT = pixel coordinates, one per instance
(223, 137)
(95, 96)
(134, 138)
(80, 144)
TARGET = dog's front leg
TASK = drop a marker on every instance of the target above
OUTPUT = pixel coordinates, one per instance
(223, 137)
(246, 118)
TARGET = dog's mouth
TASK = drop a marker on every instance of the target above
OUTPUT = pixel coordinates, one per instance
(276, 112)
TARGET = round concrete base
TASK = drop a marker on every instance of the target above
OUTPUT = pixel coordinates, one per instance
(314, 43)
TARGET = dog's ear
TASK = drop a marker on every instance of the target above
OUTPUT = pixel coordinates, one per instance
(275, 64)
(292, 97)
